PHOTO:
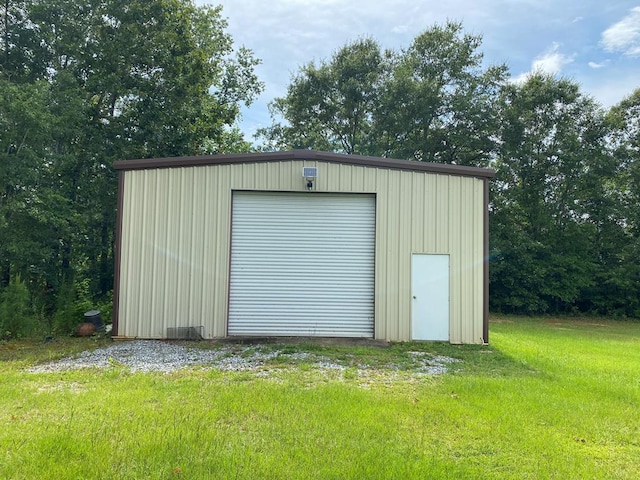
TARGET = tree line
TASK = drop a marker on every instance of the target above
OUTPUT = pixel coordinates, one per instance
(86, 82)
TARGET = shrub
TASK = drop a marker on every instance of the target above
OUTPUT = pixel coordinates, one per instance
(106, 307)
(16, 315)
(73, 301)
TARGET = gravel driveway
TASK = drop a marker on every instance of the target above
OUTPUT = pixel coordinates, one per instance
(157, 356)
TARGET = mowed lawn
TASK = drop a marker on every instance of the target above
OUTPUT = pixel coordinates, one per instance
(549, 398)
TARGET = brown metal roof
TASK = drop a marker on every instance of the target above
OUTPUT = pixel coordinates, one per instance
(309, 155)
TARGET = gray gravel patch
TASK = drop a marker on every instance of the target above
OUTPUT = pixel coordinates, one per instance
(433, 365)
(157, 356)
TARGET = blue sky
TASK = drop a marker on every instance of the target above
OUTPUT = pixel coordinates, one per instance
(594, 42)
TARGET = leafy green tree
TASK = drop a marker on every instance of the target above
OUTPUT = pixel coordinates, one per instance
(619, 280)
(87, 82)
(438, 103)
(331, 106)
(431, 102)
(19, 43)
(31, 213)
(159, 77)
(16, 319)
(544, 204)
(624, 120)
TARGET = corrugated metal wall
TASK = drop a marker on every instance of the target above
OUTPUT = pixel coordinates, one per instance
(176, 241)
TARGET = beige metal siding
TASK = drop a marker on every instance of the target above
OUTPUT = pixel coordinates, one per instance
(176, 234)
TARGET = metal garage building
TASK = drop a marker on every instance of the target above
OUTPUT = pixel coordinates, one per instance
(301, 243)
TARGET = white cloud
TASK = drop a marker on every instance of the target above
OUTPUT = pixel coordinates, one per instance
(597, 65)
(624, 36)
(551, 61)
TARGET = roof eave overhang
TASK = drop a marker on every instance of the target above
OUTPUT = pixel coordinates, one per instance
(304, 155)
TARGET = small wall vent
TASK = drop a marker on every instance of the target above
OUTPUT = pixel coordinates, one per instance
(185, 333)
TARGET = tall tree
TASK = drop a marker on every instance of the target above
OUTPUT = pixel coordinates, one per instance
(87, 82)
(624, 120)
(19, 43)
(438, 104)
(544, 219)
(159, 76)
(619, 282)
(30, 212)
(331, 106)
(431, 102)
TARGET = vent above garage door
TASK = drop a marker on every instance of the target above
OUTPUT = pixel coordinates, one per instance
(302, 264)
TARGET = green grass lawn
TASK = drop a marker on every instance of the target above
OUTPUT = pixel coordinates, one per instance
(550, 398)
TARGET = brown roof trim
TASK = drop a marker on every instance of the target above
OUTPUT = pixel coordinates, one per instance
(485, 264)
(118, 257)
(309, 155)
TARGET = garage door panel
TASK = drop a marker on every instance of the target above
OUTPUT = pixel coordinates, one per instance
(302, 264)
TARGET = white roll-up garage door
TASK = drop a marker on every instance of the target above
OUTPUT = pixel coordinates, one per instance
(302, 264)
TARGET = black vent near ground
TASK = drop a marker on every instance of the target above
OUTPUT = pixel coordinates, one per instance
(184, 333)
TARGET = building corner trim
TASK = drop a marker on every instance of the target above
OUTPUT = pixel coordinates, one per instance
(485, 264)
(118, 255)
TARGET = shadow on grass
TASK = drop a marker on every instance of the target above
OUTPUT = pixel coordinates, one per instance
(479, 360)
(34, 351)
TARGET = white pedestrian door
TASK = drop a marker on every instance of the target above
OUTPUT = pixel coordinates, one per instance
(430, 297)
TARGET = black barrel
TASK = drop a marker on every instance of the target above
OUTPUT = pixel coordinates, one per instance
(93, 316)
